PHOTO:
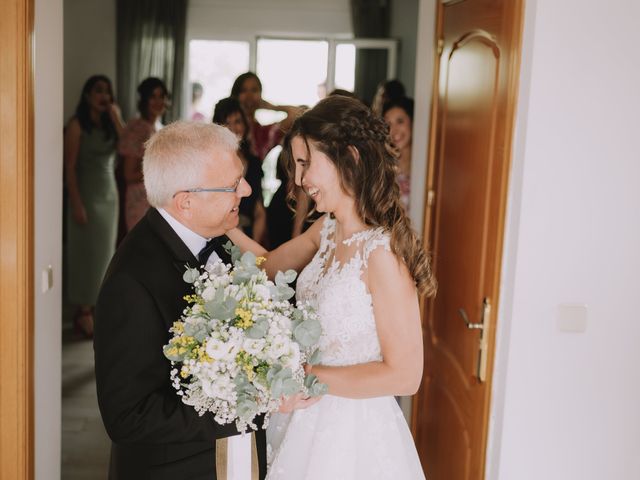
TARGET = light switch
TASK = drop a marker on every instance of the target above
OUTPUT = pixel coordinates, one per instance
(572, 318)
(47, 279)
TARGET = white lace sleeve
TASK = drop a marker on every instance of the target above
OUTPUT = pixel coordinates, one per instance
(378, 238)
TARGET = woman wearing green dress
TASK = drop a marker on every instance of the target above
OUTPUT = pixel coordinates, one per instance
(92, 212)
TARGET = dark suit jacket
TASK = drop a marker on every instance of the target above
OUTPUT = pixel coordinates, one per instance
(155, 436)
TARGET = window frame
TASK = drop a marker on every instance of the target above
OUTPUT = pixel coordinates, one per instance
(389, 44)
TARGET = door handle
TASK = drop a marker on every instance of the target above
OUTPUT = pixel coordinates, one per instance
(483, 326)
(470, 326)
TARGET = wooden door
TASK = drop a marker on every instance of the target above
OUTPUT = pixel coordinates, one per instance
(472, 122)
(16, 241)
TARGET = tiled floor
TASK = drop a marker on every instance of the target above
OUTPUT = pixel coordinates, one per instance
(85, 445)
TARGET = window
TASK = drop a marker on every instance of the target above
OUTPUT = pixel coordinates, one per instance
(292, 72)
(215, 65)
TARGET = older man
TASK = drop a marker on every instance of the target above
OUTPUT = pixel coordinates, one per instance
(194, 182)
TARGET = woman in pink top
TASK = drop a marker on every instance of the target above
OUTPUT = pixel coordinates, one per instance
(399, 116)
(152, 104)
(247, 88)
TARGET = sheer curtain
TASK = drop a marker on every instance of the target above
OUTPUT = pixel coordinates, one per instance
(370, 19)
(150, 42)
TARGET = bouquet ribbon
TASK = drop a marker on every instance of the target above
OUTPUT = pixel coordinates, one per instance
(222, 458)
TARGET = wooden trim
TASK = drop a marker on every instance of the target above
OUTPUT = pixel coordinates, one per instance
(430, 175)
(16, 241)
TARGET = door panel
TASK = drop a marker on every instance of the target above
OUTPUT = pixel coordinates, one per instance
(465, 159)
(472, 122)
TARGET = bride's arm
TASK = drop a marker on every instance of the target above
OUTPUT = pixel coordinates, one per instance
(397, 313)
(294, 254)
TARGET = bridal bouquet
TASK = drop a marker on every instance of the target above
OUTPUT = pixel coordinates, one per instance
(240, 344)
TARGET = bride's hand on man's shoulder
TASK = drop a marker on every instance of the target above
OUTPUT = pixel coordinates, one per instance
(296, 402)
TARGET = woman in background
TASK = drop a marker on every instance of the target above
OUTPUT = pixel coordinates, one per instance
(279, 215)
(387, 91)
(253, 217)
(247, 89)
(92, 211)
(152, 104)
(398, 114)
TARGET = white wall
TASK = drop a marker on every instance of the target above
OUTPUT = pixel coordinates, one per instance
(404, 26)
(247, 18)
(48, 235)
(421, 118)
(89, 46)
(566, 404)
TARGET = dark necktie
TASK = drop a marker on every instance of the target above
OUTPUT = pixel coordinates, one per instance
(209, 247)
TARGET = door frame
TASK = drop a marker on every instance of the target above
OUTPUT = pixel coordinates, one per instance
(17, 241)
(513, 84)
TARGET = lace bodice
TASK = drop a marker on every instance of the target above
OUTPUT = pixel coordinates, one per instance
(341, 298)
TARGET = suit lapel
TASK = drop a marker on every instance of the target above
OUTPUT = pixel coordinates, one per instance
(182, 256)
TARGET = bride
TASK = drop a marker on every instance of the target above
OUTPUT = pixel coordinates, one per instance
(362, 269)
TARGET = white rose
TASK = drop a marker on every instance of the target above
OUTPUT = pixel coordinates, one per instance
(253, 346)
(219, 350)
(262, 292)
(293, 361)
(279, 347)
(220, 387)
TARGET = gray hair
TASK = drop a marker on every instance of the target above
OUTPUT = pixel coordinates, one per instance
(175, 157)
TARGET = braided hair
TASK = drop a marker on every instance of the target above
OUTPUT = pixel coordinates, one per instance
(337, 125)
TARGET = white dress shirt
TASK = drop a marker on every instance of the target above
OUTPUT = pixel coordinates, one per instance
(191, 239)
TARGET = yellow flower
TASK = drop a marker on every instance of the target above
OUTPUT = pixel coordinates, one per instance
(184, 372)
(202, 354)
(245, 318)
(172, 351)
(260, 261)
(178, 327)
(194, 299)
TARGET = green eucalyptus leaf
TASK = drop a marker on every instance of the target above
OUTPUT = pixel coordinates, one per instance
(284, 374)
(318, 389)
(284, 279)
(314, 358)
(314, 387)
(233, 251)
(173, 358)
(191, 275)
(284, 292)
(220, 307)
(197, 330)
(273, 371)
(241, 276)
(241, 381)
(248, 259)
(246, 409)
(258, 330)
(308, 333)
(290, 387)
(276, 387)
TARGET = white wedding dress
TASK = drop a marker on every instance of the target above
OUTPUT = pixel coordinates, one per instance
(341, 438)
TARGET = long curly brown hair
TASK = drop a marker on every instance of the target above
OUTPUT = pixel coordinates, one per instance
(337, 123)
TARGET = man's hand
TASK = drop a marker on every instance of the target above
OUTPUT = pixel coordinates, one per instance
(296, 402)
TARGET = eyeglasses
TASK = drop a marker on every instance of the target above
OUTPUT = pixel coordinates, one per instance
(220, 189)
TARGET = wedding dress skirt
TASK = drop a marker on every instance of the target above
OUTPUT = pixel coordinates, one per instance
(340, 438)
(343, 439)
